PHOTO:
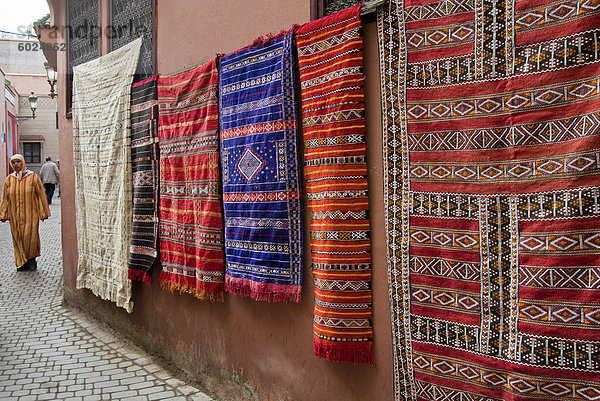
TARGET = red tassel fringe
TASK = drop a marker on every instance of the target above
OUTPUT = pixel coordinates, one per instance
(188, 285)
(360, 353)
(262, 291)
(139, 275)
(263, 40)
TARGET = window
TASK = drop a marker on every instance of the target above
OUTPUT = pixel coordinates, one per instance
(334, 6)
(83, 39)
(83, 42)
(9, 129)
(130, 20)
(32, 152)
(321, 8)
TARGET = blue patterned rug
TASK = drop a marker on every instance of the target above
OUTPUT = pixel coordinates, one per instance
(260, 172)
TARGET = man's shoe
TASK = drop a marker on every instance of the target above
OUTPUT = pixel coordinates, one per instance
(23, 268)
(32, 264)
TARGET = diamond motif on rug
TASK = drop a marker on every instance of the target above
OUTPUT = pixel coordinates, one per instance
(249, 164)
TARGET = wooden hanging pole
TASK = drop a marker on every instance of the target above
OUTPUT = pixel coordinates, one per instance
(370, 6)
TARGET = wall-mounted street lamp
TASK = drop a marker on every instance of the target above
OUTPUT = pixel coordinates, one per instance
(51, 75)
(32, 105)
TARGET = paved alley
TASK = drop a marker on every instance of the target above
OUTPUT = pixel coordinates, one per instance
(50, 352)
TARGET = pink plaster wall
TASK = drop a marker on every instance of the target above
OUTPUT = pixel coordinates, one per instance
(3, 129)
(12, 110)
(26, 84)
(58, 19)
(192, 32)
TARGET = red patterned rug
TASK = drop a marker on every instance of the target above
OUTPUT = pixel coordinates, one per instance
(191, 225)
(330, 60)
(492, 172)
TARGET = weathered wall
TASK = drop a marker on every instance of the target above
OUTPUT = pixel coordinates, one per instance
(193, 32)
(257, 350)
(3, 128)
(58, 20)
(27, 83)
(12, 111)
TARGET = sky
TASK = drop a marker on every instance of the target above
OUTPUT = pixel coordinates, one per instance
(17, 16)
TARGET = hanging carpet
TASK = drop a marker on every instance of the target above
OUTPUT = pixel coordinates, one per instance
(335, 169)
(144, 168)
(102, 162)
(260, 171)
(492, 172)
(191, 226)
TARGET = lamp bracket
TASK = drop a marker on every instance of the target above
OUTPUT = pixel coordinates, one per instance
(20, 119)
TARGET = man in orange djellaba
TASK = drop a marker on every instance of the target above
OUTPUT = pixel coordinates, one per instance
(24, 204)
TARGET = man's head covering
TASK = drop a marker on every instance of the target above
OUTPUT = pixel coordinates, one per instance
(18, 156)
(19, 174)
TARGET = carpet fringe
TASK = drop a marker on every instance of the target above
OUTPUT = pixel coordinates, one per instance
(111, 293)
(263, 291)
(199, 293)
(263, 40)
(358, 353)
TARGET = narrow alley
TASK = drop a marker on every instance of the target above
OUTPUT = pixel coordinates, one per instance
(49, 352)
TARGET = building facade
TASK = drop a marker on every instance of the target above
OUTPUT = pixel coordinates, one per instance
(22, 60)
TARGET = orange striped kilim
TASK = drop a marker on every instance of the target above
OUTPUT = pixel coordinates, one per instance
(330, 59)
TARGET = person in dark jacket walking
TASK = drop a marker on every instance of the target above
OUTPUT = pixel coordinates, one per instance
(50, 177)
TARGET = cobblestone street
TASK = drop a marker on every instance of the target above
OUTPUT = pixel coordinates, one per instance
(50, 352)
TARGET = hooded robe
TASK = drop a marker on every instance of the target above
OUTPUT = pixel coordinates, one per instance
(24, 204)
